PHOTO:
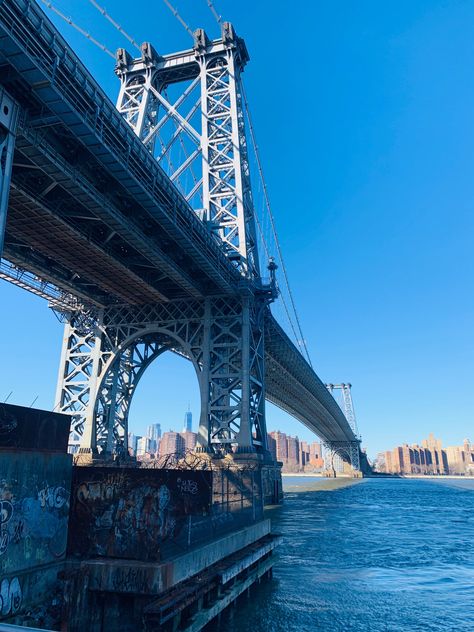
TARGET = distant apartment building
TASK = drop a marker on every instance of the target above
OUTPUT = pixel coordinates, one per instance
(281, 445)
(190, 439)
(296, 455)
(172, 443)
(293, 461)
(316, 461)
(272, 446)
(429, 458)
(304, 453)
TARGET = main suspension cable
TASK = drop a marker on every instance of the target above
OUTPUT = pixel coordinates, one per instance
(78, 28)
(302, 342)
(217, 16)
(178, 17)
(115, 24)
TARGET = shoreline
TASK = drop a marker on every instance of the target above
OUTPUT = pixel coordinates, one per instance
(433, 477)
(324, 485)
(310, 475)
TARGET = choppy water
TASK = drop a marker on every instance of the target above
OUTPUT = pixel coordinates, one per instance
(382, 555)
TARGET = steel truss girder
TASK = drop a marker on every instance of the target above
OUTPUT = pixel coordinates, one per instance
(104, 358)
(223, 178)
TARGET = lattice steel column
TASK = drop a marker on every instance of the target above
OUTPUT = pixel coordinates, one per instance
(136, 101)
(226, 177)
(236, 367)
(9, 111)
(81, 360)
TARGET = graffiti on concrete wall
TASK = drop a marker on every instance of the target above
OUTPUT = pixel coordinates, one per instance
(34, 509)
(10, 596)
(130, 513)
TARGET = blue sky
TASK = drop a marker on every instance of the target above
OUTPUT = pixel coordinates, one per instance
(364, 117)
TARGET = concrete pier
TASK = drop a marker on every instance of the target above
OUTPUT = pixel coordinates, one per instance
(110, 548)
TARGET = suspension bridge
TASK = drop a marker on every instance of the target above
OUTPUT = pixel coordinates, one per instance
(138, 222)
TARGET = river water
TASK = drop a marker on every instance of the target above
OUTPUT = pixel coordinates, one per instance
(381, 555)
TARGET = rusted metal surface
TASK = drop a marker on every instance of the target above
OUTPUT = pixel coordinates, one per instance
(31, 428)
(130, 513)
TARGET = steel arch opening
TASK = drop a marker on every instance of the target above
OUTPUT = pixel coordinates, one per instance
(120, 380)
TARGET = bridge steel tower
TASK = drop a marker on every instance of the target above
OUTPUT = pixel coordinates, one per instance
(107, 350)
(345, 450)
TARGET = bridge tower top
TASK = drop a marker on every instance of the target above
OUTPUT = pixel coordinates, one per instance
(198, 135)
(348, 405)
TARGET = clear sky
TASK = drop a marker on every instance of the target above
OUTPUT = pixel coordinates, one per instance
(364, 117)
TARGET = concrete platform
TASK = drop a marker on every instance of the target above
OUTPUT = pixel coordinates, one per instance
(145, 578)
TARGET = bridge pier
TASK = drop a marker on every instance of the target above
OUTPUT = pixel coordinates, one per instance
(105, 355)
(345, 451)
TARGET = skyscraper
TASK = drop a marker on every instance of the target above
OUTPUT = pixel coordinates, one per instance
(188, 421)
(154, 432)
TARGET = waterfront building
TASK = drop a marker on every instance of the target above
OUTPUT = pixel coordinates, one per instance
(272, 446)
(304, 454)
(316, 460)
(296, 455)
(293, 453)
(429, 458)
(281, 446)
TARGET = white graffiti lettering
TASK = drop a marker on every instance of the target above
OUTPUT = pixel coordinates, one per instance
(187, 486)
(53, 497)
(10, 596)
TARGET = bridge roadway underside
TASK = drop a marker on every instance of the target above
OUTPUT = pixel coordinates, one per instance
(92, 212)
(293, 385)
